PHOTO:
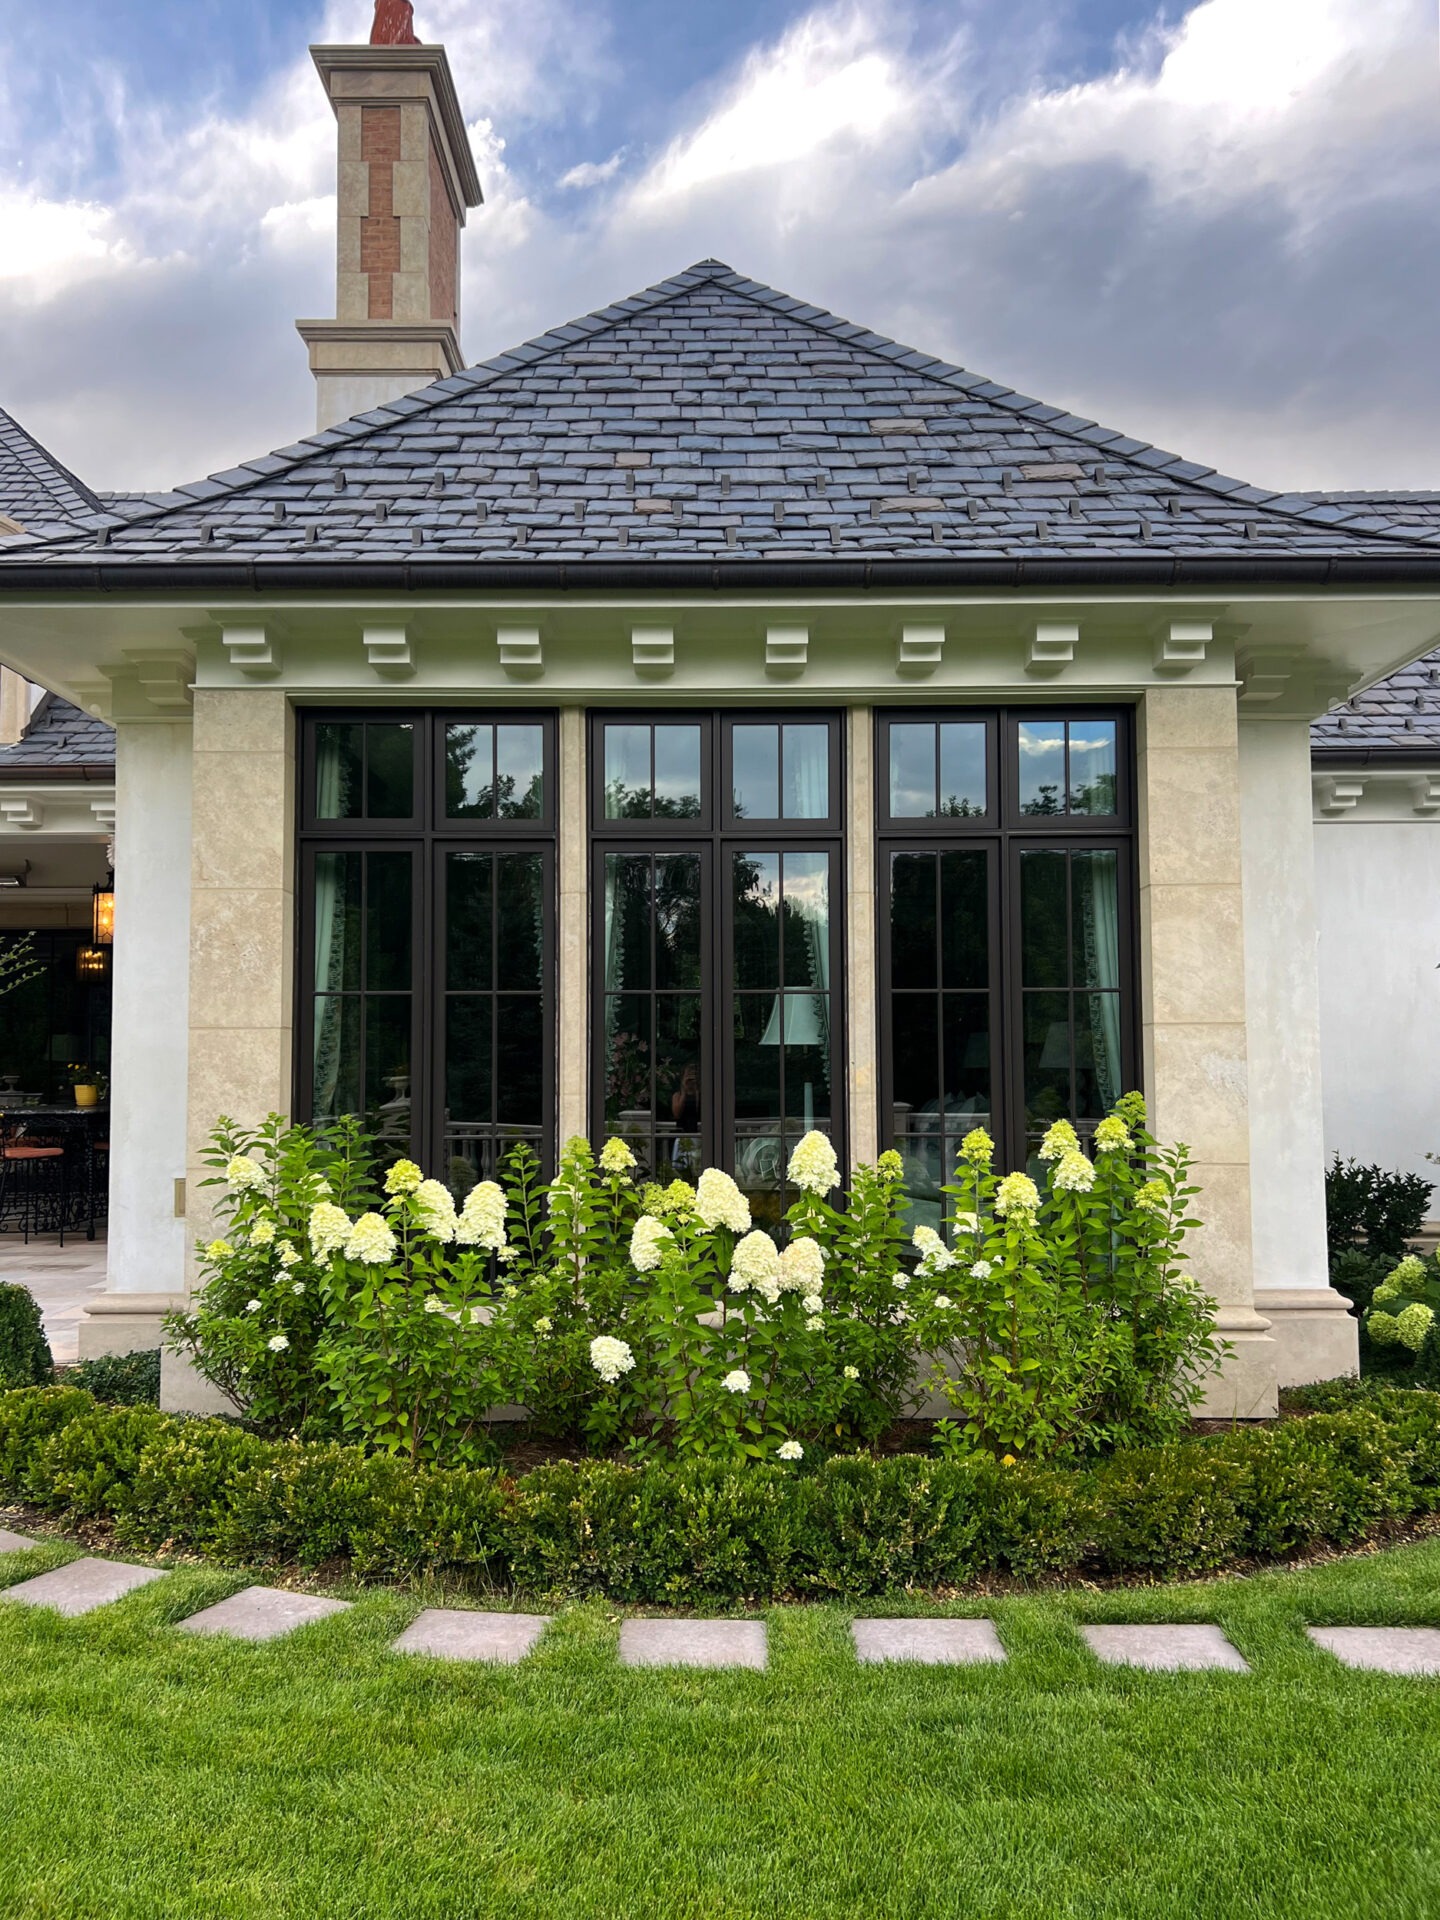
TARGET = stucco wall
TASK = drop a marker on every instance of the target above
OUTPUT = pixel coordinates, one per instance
(1379, 914)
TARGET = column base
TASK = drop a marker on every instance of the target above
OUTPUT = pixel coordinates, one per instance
(1247, 1386)
(126, 1323)
(1317, 1335)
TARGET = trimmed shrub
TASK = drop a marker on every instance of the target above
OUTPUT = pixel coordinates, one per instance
(24, 1351)
(120, 1379)
(1366, 1207)
(683, 1532)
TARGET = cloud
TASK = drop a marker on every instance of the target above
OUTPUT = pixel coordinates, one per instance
(1228, 242)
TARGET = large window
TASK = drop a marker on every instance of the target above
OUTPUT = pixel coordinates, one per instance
(426, 972)
(1007, 970)
(716, 882)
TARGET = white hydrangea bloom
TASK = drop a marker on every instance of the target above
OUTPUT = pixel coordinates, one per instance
(329, 1229)
(610, 1358)
(790, 1450)
(720, 1203)
(647, 1243)
(1060, 1140)
(279, 1344)
(434, 1304)
(813, 1166)
(288, 1255)
(736, 1382)
(943, 1302)
(616, 1157)
(482, 1218)
(403, 1177)
(981, 1270)
(242, 1175)
(435, 1205)
(1017, 1193)
(755, 1265)
(299, 1287)
(1111, 1135)
(967, 1223)
(935, 1256)
(544, 1323)
(262, 1234)
(371, 1242)
(852, 1373)
(252, 1306)
(802, 1266)
(901, 1280)
(1075, 1174)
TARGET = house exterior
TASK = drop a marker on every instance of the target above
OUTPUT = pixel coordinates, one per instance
(707, 721)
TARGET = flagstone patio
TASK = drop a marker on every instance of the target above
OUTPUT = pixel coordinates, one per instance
(63, 1280)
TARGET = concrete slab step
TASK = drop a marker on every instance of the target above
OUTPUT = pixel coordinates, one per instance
(931, 1643)
(14, 1542)
(1407, 1650)
(693, 1643)
(82, 1586)
(453, 1633)
(262, 1613)
(1164, 1649)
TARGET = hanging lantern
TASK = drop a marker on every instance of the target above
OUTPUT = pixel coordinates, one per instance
(90, 963)
(104, 922)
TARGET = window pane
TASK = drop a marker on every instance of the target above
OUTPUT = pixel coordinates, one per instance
(1095, 907)
(469, 772)
(469, 1080)
(389, 921)
(628, 919)
(966, 1031)
(338, 946)
(335, 1083)
(760, 1157)
(677, 773)
(519, 1059)
(627, 772)
(962, 769)
(468, 933)
(677, 921)
(1042, 766)
(387, 1066)
(389, 771)
(679, 1083)
(520, 772)
(1044, 927)
(755, 879)
(1047, 1059)
(806, 883)
(1097, 1054)
(807, 773)
(520, 946)
(912, 770)
(965, 919)
(1092, 766)
(756, 754)
(914, 946)
(629, 1060)
(339, 771)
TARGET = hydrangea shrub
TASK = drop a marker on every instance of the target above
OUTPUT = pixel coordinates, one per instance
(1403, 1308)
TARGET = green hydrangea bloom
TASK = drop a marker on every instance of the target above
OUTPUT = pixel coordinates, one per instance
(1130, 1108)
(1383, 1329)
(1384, 1293)
(1409, 1273)
(1413, 1324)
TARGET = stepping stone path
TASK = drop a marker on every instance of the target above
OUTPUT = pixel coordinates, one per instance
(693, 1643)
(82, 1586)
(1164, 1649)
(1382, 1649)
(14, 1542)
(931, 1643)
(262, 1613)
(449, 1633)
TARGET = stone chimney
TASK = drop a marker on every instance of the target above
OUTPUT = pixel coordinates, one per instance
(406, 183)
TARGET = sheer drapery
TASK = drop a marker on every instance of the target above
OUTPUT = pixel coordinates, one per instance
(329, 937)
(1097, 878)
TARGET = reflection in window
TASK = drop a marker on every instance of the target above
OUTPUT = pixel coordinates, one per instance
(495, 772)
(937, 769)
(781, 771)
(363, 990)
(782, 1057)
(1071, 985)
(1067, 767)
(940, 1014)
(656, 1066)
(652, 772)
(364, 770)
(494, 947)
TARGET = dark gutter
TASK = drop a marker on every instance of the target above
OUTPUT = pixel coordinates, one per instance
(95, 773)
(719, 576)
(1378, 756)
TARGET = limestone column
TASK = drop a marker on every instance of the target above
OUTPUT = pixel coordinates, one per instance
(862, 983)
(1312, 1326)
(573, 987)
(147, 1238)
(1194, 1008)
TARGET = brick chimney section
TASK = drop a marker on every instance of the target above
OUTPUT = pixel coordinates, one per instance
(406, 183)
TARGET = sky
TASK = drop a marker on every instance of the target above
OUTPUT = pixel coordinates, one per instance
(1212, 225)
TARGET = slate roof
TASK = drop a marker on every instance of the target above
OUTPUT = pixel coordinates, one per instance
(60, 742)
(36, 492)
(711, 422)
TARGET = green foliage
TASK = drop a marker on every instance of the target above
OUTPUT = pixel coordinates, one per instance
(1402, 1323)
(1366, 1207)
(19, 963)
(684, 1531)
(24, 1351)
(1357, 1275)
(120, 1379)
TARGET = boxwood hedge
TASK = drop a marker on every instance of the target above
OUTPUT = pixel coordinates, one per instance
(681, 1533)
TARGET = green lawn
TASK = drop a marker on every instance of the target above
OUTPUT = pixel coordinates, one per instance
(146, 1773)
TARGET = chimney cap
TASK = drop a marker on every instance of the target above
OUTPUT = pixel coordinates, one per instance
(429, 68)
(394, 24)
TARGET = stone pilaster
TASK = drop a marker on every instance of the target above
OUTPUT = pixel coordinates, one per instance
(573, 990)
(863, 984)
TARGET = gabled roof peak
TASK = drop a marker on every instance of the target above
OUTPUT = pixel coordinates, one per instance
(35, 490)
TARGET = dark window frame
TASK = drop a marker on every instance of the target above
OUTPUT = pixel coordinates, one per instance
(428, 836)
(1004, 832)
(715, 836)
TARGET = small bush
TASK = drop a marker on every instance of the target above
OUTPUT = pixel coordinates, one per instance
(691, 1531)
(120, 1379)
(24, 1351)
(1376, 1211)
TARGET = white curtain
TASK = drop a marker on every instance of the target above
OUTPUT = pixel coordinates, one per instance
(329, 933)
(1102, 955)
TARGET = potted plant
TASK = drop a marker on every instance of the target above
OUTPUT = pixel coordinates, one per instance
(89, 1084)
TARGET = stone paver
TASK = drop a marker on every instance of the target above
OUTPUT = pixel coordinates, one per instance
(449, 1633)
(14, 1542)
(933, 1643)
(82, 1586)
(693, 1643)
(63, 1280)
(1413, 1650)
(1164, 1649)
(262, 1613)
